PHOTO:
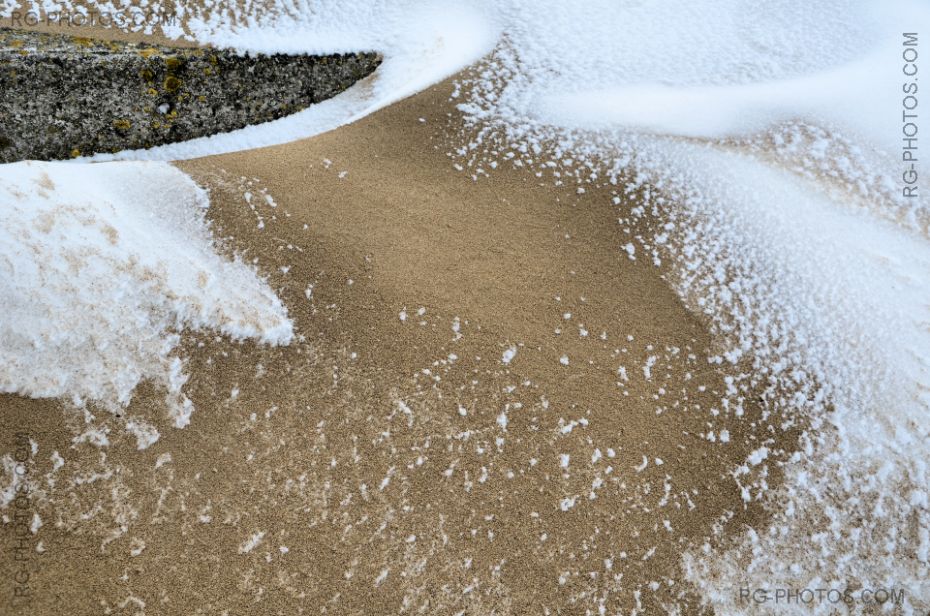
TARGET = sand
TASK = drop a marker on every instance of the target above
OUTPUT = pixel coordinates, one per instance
(391, 461)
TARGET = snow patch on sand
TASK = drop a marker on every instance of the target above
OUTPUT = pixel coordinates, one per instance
(101, 268)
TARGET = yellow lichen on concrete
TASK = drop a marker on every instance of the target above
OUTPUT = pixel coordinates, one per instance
(172, 83)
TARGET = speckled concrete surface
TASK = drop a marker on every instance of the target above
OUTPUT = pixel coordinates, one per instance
(64, 96)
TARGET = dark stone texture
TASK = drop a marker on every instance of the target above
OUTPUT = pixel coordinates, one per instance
(64, 96)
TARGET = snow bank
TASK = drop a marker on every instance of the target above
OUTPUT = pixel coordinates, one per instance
(101, 267)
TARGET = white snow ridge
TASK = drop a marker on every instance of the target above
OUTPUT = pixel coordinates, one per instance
(101, 267)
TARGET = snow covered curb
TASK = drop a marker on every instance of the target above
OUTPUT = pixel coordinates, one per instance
(64, 96)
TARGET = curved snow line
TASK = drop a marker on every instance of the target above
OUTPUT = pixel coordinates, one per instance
(429, 46)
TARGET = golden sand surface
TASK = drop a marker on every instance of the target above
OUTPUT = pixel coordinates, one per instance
(391, 460)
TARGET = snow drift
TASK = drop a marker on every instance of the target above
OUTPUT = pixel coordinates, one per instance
(101, 267)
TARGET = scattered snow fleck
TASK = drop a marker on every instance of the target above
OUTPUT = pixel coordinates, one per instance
(36, 523)
(757, 456)
(502, 420)
(509, 354)
(252, 542)
(136, 547)
(146, 434)
(647, 368)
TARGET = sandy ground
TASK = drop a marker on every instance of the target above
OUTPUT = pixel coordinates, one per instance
(391, 461)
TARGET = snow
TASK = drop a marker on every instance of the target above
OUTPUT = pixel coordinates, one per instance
(766, 138)
(252, 542)
(103, 266)
(145, 433)
(508, 354)
(422, 43)
(783, 224)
